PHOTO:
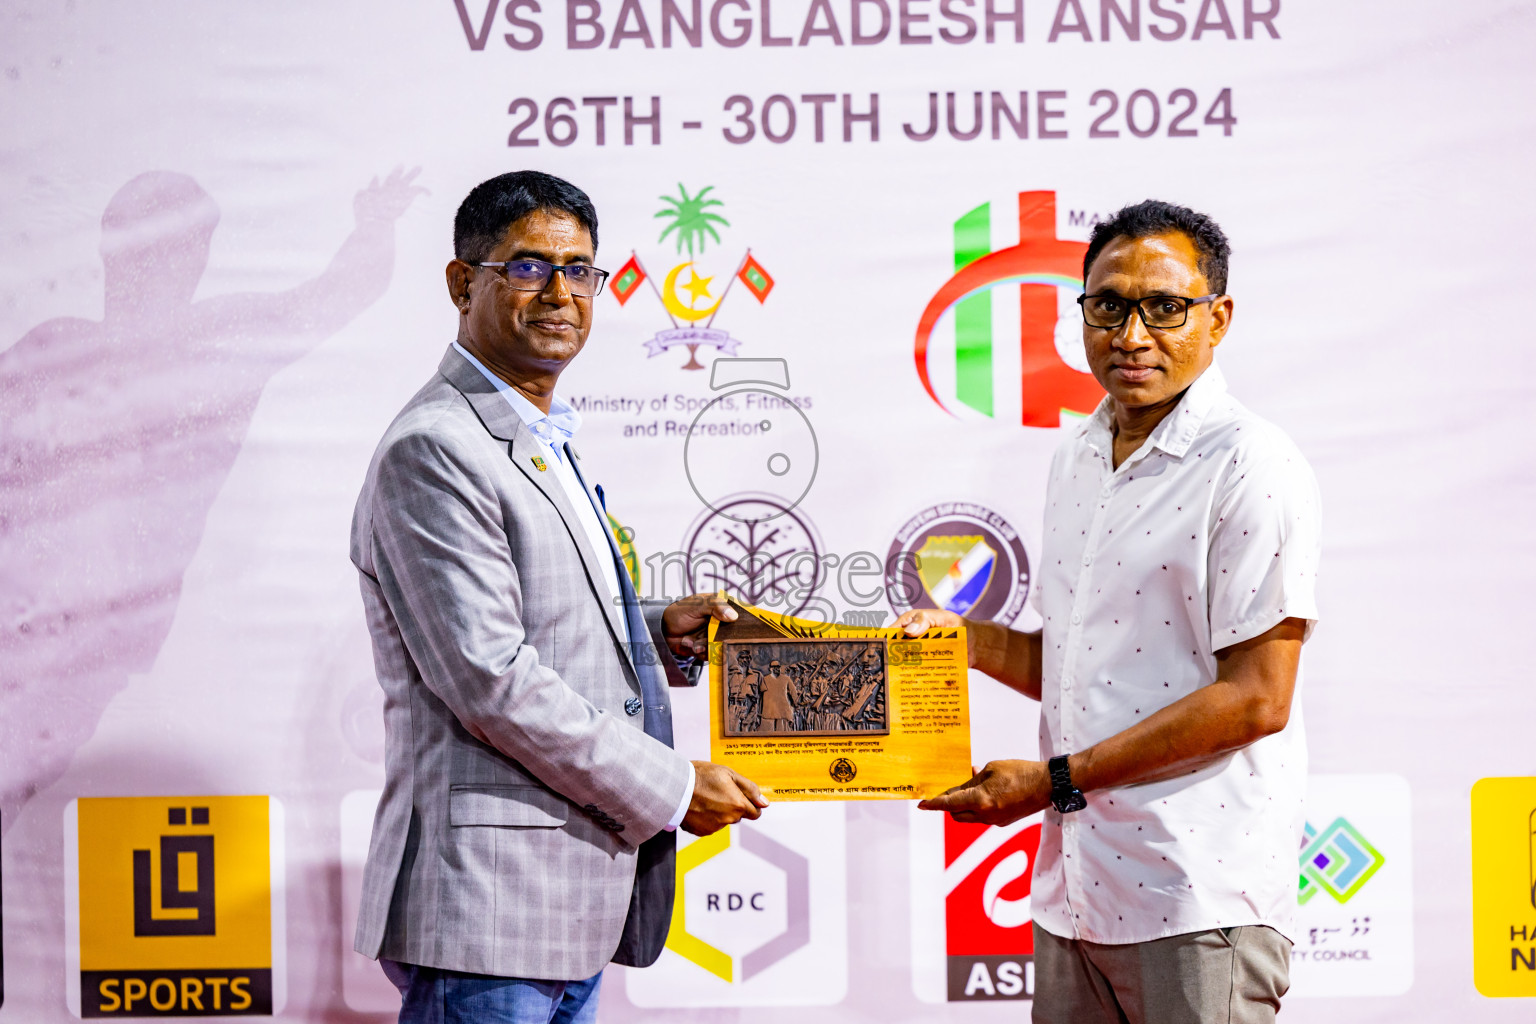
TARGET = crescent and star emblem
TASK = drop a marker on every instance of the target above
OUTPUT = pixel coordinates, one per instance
(697, 288)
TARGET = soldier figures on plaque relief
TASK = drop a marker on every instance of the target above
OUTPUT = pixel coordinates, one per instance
(806, 687)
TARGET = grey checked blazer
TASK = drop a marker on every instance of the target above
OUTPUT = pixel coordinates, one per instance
(522, 800)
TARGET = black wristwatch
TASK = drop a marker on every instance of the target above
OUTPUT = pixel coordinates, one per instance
(1064, 795)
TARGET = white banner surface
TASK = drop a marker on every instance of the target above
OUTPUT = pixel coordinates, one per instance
(218, 290)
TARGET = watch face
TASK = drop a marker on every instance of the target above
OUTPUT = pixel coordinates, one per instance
(1073, 801)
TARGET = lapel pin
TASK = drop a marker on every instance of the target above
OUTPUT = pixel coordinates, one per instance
(538, 463)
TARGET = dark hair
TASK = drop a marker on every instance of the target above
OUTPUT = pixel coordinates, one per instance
(1154, 217)
(494, 206)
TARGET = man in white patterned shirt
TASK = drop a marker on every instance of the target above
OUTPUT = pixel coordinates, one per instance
(1176, 588)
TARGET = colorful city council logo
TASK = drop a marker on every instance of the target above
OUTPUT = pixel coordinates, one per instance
(691, 299)
(960, 557)
(965, 377)
(1338, 860)
(742, 904)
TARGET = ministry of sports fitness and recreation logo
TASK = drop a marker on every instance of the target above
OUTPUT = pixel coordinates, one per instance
(1338, 860)
(960, 557)
(174, 906)
(692, 221)
(1052, 372)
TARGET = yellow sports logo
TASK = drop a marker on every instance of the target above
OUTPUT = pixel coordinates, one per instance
(1504, 886)
(175, 903)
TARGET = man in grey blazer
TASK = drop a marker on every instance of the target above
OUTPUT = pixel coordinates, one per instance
(524, 838)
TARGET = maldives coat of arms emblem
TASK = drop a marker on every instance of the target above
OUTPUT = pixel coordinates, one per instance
(688, 296)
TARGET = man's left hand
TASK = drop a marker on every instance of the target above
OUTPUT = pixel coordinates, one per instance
(1000, 794)
(685, 623)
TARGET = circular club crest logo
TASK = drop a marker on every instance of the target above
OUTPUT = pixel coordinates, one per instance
(960, 557)
(842, 770)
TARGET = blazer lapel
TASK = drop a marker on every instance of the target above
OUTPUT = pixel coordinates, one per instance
(627, 599)
(505, 424)
(652, 677)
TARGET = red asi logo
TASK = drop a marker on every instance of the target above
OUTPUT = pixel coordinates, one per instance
(990, 943)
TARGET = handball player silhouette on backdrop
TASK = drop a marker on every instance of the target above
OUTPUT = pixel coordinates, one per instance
(116, 437)
(1178, 566)
(524, 838)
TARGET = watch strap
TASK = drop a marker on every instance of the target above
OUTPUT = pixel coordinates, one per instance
(1061, 775)
(1065, 797)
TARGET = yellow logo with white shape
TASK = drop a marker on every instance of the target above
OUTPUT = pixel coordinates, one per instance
(1504, 886)
(174, 906)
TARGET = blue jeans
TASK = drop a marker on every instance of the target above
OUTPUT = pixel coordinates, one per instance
(430, 995)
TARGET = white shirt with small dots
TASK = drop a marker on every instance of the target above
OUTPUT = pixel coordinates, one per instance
(1206, 536)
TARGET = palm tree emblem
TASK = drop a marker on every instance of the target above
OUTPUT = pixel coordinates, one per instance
(690, 298)
(691, 218)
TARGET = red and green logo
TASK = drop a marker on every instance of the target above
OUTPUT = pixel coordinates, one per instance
(977, 374)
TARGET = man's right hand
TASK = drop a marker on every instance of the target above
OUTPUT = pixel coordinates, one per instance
(1007, 655)
(721, 797)
(918, 621)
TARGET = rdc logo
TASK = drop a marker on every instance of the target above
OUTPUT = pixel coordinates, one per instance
(734, 901)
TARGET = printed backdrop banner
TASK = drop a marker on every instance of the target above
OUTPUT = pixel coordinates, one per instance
(846, 237)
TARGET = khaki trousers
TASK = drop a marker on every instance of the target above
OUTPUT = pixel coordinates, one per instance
(1222, 976)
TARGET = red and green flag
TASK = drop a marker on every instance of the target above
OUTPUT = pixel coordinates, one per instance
(627, 279)
(755, 278)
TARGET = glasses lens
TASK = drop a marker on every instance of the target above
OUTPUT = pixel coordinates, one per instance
(1105, 310)
(528, 275)
(1164, 311)
(582, 279)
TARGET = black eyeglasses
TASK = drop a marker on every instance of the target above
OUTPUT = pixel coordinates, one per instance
(530, 275)
(1163, 312)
